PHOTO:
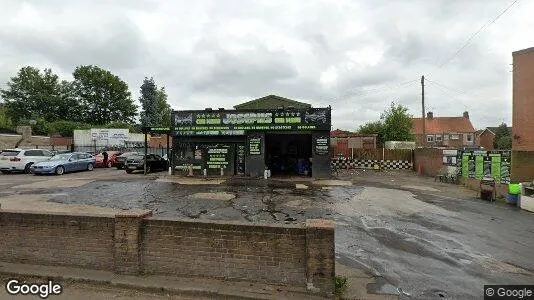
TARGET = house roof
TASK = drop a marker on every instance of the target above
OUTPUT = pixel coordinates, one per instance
(439, 125)
(494, 129)
(272, 100)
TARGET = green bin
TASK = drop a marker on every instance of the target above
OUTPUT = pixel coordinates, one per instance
(514, 189)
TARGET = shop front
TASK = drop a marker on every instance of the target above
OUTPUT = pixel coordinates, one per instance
(287, 141)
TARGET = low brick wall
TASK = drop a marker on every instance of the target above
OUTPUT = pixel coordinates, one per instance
(136, 243)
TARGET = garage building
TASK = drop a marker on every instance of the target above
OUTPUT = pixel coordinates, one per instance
(286, 136)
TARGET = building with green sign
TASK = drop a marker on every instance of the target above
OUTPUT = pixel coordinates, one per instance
(283, 135)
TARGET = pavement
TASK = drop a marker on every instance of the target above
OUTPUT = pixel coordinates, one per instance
(398, 235)
(143, 287)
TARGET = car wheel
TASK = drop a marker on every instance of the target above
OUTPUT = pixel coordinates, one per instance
(60, 170)
(110, 165)
(129, 171)
(28, 168)
(6, 172)
(90, 167)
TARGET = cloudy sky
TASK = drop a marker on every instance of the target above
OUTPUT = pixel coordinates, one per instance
(356, 56)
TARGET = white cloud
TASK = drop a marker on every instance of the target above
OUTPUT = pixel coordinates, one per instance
(354, 55)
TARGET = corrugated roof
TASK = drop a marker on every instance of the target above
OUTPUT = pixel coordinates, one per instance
(439, 125)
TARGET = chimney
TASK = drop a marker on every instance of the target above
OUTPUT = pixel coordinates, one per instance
(466, 115)
(429, 115)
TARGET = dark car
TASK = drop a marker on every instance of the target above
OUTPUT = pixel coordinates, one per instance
(121, 159)
(153, 163)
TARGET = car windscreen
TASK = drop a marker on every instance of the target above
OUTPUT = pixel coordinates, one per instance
(61, 157)
(9, 153)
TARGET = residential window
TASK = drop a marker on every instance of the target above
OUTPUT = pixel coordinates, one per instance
(429, 138)
(445, 137)
(454, 137)
(438, 138)
(469, 137)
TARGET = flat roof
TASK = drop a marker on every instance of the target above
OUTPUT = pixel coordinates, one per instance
(523, 51)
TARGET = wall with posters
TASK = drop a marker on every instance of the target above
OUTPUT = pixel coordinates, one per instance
(478, 164)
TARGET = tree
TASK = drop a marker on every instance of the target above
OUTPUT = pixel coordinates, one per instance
(33, 94)
(149, 97)
(164, 109)
(397, 123)
(5, 121)
(503, 137)
(373, 128)
(104, 96)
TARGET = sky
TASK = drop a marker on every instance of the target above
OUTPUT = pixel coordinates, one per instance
(356, 56)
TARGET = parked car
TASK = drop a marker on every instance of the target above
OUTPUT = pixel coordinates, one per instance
(21, 160)
(121, 159)
(154, 162)
(66, 162)
(56, 152)
(112, 159)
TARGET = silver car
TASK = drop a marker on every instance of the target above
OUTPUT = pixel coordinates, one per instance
(66, 162)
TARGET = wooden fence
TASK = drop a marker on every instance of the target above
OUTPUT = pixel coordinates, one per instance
(374, 154)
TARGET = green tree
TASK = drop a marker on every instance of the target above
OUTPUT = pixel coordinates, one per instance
(33, 94)
(397, 123)
(66, 128)
(5, 121)
(149, 102)
(163, 108)
(122, 125)
(503, 138)
(104, 96)
(376, 127)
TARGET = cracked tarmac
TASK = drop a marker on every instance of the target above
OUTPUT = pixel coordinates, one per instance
(420, 239)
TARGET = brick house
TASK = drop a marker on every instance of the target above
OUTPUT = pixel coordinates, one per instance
(486, 137)
(452, 132)
(523, 115)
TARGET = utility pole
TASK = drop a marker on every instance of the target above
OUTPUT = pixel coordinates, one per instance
(423, 106)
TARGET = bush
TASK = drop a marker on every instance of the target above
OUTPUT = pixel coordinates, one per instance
(340, 286)
(66, 128)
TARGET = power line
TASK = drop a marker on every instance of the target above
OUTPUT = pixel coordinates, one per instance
(487, 24)
(378, 90)
(446, 87)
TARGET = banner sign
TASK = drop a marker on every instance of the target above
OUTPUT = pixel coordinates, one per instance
(236, 122)
(321, 145)
(254, 145)
(479, 164)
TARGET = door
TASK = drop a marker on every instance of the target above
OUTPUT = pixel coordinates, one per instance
(240, 159)
(70, 164)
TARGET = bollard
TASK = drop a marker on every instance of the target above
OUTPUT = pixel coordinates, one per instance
(222, 172)
(170, 170)
(265, 174)
(205, 173)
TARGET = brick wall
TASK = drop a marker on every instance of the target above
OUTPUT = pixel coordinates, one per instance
(428, 161)
(523, 116)
(486, 140)
(135, 243)
(57, 239)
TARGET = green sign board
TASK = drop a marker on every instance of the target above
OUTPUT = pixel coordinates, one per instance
(479, 164)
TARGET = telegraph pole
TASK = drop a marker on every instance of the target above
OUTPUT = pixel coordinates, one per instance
(423, 106)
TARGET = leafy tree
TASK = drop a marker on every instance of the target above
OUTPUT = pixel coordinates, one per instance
(104, 96)
(122, 125)
(66, 128)
(33, 94)
(503, 137)
(397, 123)
(149, 102)
(376, 127)
(164, 109)
(5, 121)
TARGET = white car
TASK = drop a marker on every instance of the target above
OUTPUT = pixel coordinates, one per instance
(21, 160)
